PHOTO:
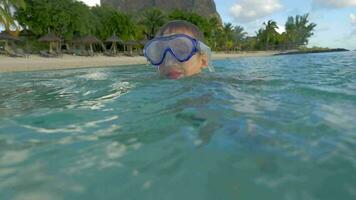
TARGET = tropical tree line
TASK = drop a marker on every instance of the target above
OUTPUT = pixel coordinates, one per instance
(70, 19)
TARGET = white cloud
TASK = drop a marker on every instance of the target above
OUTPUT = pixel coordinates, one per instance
(281, 29)
(250, 10)
(353, 19)
(335, 3)
(91, 2)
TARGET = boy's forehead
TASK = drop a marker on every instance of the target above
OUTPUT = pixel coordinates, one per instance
(173, 31)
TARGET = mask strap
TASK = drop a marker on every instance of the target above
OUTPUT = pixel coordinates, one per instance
(203, 48)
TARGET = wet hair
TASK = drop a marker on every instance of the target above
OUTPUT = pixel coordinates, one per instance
(179, 25)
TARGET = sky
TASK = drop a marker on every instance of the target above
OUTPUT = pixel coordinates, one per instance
(335, 19)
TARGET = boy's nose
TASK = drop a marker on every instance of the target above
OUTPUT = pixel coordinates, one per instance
(170, 60)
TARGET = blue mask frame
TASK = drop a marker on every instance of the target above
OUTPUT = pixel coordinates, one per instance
(169, 49)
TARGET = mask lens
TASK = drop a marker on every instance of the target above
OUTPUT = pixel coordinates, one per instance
(182, 47)
(155, 51)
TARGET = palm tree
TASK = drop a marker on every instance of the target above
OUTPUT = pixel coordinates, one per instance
(152, 19)
(7, 8)
(298, 30)
(304, 29)
(238, 35)
(270, 31)
(290, 32)
(215, 27)
(228, 31)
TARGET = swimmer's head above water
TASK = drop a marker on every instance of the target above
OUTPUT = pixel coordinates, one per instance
(178, 50)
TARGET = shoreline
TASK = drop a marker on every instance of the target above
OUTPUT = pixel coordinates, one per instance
(37, 63)
(307, 51)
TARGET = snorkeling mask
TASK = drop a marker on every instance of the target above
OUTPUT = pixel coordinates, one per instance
(181, 46)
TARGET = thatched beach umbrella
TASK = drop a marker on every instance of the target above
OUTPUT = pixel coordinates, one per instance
(90, 39)
(7, 37)
(131, 44)
(51, 38)
(114, 39)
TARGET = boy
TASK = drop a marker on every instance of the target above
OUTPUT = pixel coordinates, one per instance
(178, 50)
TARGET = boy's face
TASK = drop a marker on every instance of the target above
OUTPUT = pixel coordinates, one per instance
(173, 69)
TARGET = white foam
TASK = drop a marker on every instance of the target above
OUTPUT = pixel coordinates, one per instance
(94, 123)
(69, 129)
(13, 157)
(115, 150)
(97, 76)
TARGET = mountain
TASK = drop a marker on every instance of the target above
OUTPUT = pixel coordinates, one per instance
(205, 8)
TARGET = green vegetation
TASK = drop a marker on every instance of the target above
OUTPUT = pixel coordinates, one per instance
(298, 30)
(7, 8)
(152, 20)
(70, 19)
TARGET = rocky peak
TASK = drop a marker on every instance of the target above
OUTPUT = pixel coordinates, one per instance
(205, 8)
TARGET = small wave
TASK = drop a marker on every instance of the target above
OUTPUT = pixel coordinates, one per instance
(73, 128)
(119, 88)
(97, 76)
(68, 129)
(12, 157)
(95, 123)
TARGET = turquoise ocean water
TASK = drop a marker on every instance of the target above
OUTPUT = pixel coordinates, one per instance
(281, 127)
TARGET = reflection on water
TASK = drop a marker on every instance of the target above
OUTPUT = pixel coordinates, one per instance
(258, 128)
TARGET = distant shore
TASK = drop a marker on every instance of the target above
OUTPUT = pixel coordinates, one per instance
(35, 62)
(312, 51)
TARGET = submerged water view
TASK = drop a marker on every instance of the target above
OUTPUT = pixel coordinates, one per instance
(281, 127)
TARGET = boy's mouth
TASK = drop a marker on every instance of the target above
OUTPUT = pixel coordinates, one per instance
(174, 74)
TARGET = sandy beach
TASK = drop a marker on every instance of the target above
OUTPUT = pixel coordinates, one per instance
(35, 62)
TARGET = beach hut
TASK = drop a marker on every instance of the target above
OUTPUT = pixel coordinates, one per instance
(90, 40)
(131, 44)
(52, 39)
(114, 39)
(5, 37)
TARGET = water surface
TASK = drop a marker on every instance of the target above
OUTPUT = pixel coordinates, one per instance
(279, 127)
